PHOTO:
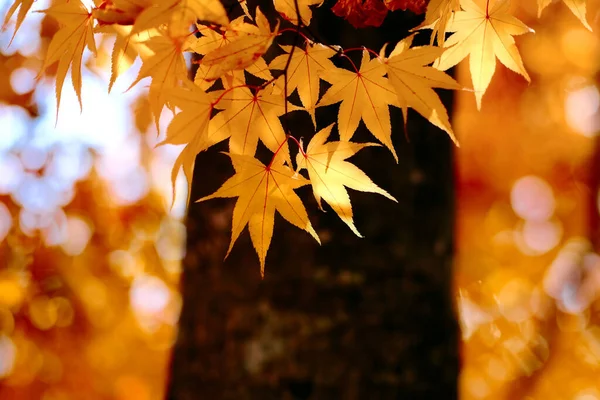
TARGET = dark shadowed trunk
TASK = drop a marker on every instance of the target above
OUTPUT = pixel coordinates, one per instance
(355, 318)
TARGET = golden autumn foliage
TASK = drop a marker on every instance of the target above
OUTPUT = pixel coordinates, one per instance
(219, 103)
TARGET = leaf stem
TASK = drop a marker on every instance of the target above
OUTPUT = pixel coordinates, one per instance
(298, 144)
(361, 49)
(297, 31)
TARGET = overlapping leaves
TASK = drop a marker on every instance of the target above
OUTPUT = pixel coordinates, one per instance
(218, 104)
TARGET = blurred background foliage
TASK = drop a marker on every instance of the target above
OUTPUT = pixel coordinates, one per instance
(90, 248)
(527, 278)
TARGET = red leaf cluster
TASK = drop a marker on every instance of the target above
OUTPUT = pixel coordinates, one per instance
(363, 13)
(416, 6)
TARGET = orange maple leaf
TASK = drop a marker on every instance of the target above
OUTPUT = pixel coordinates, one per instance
(248, 117)
(24, 6)
(365, 94)
(166, 66)
(243, 52)
(69, 42)
(330, 174)
(261, 190)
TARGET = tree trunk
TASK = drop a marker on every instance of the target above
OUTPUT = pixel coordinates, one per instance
(355, 318)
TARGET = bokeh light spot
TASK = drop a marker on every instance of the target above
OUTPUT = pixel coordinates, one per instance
(532, 198)
(541, 236)
(78, 236)
(5, 221)
(131, 187)
(64, 311)
(514, 300)
(33, 157)
(22, 80)
(8, 355)
(581, 109)
(149, 295)
(12, 172)
(11, 293)
(43, 313)
(170, 243)
(14, 122)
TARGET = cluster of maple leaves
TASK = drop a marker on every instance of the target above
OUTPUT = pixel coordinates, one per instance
(160, 32)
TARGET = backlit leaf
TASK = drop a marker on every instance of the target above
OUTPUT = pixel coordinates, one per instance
(241, 53)
(330, 174)
(261, 190)
(68, 44)
(484, 30)
(365, 94)
(305, 69)
(413, 79)
(24, 6)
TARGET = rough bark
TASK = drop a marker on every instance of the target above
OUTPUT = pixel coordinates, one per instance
(354, 318)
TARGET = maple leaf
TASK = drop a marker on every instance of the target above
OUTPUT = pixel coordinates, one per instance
(304, 70)
(212, 40)
(330, 174)
(244, 5)
(190, 126)
(484, 31)
(124, 52)
(365, 94)
(191, 122)
(577, 7)
(165, 64)
(24, 6)
(261, 190)
(243, 52)
(68, 44)
(413, 80)
(248, 117)
(178, 15)
(437, 17)
(287, 9)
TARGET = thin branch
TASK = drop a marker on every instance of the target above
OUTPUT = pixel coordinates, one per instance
(285, 83)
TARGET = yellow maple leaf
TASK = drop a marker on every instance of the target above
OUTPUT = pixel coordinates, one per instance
(166, 65)
(413, 80)
(190, 126)
(330, 174)
(191, 122)
(241, 53)
(212, 40)
(484, 30)
(304, 70)
(365, 94)
(287, 9)
(248, 117)
(24, 6)
(261, 190)
(124, 52)
(178, 15)
(67, 45)
(244, 5)
(437, 16)
(577, 7)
